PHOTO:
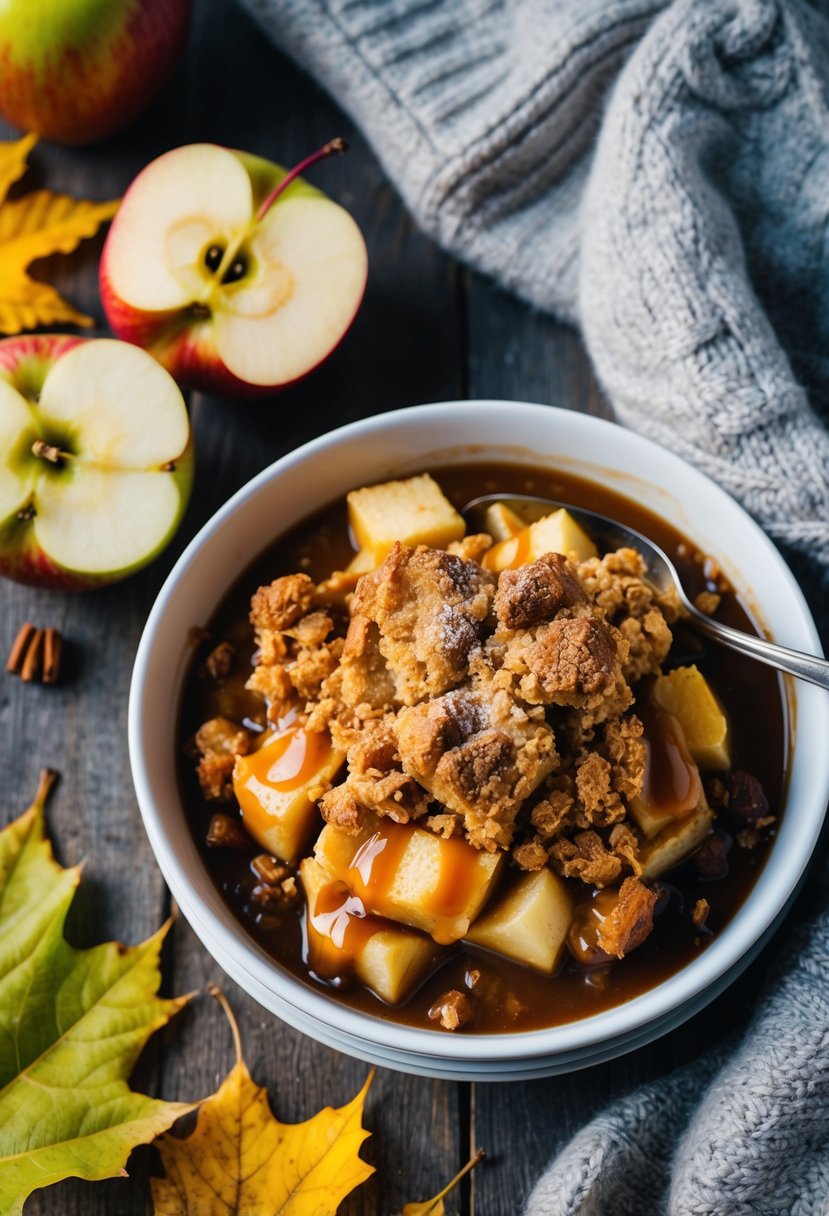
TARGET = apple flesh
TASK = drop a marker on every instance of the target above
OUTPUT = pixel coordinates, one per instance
(97, 460)
(239, 277)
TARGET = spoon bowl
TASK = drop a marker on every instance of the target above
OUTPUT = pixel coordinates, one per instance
(609, 534)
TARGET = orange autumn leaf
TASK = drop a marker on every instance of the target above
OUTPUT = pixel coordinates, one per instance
(34, 226)
(435, 1205)
(241, 1161)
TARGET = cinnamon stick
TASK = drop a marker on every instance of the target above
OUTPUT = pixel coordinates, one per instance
(25, 633)
(32, 659)
(52, 645)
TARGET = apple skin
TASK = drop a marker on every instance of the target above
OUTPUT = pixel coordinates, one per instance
(184, 345)
(76, 71)
(24, 363)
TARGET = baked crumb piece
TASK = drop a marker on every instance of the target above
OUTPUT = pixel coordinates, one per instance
(700, 913)
(616, 584)
(429, 608)
(218, 663)
(281, 604)
(471, 548)
(531, 855)
(219, 742)
(536, 592)
(478, 753)
(571, 662)
(585, 856)
(452, 1010)
(630, 920)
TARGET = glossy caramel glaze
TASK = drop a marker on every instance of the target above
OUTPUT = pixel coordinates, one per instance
(509, 997)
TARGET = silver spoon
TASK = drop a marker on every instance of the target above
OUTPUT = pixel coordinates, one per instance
(609, 534)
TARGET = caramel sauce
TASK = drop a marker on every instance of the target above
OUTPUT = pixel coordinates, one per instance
(286, 761)
(672, 783)
(456, 878)
(338, 930)
(510, 553)
(374, 866)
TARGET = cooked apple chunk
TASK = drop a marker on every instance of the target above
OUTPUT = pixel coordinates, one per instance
(671, 788)
(410, 875)
(277, 787)
(675, 842)
(343, 941)
(531, 922)
(686, 693)
(555, 533)
(501, 522)
(414, 512)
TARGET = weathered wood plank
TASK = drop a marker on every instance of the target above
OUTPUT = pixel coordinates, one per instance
(405, 347)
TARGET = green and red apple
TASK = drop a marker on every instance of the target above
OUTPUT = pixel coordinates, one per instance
(77, 70)
(97, 460)
(238, 276)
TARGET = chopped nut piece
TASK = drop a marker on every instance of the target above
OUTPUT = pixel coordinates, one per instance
(225, 832)
(710, 861)
(267, 869)
(453, 1010)
(700, 913)
(747, 801)
(707, 602)
(630, 920)
(218, 663)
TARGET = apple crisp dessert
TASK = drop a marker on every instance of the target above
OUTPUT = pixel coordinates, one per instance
(473, 769)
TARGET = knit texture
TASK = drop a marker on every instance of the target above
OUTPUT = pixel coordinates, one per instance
(662, 179)
(689, 242)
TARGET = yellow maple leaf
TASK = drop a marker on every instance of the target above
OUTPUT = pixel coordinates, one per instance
(435, 1206)
(241, 1161)
(31, 227)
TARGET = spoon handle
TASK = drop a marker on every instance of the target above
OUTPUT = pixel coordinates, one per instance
(804, 666)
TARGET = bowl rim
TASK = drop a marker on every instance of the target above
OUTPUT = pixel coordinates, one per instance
(748, 924)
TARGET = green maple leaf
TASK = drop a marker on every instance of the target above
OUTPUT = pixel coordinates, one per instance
(72, 1024)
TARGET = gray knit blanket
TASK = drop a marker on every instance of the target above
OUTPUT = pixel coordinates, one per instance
(658, 174)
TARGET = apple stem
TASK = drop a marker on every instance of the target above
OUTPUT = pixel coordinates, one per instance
(333, 146)
(48, 451)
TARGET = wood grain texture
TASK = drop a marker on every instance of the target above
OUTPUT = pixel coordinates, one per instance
(405, 347)
(427, 331)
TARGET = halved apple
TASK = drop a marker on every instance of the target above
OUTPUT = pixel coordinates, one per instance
(236, 275)
(96, 463)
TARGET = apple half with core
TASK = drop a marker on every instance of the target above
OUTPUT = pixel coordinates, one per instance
(239, 277)
(97, 460)
(77, 70)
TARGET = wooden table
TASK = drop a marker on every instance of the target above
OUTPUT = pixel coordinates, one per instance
(428, 330)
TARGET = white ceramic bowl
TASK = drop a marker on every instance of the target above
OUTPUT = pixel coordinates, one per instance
(427, 437)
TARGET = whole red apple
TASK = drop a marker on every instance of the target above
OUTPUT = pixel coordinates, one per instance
(239, 277)
(77, 70)
(98, 461)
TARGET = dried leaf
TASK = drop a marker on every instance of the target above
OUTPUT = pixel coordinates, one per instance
(241, 1161)
(31, 227)
(72, 1024)
(435, 1206)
